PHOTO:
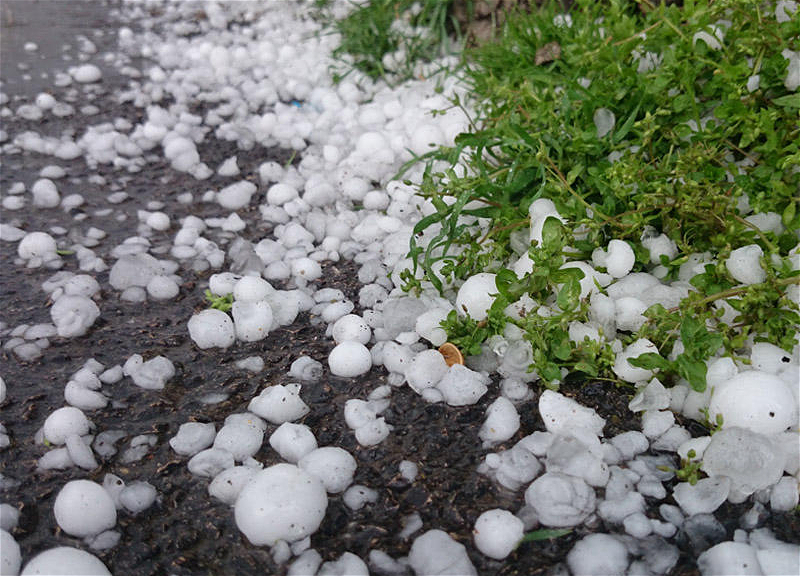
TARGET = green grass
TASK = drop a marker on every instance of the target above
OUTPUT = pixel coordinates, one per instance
(373, 32)
(691, 147)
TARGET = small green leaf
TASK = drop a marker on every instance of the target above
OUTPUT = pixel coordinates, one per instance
(650, 361)
(545, 534)
(569, 295)
(694, 371)
(789, 101)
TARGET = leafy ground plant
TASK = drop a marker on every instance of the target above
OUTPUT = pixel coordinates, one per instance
(672, 129)
(390, 37)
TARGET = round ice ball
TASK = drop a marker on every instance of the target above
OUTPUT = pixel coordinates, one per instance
(351, 327)
(73, 315)
(65, 422)
(598, 554)
(84, 508)
(476, 296)
(212, 328)
(755, 400)
(37, 245)
(332, 465)
(282, 502)
(67, 561)
(497, 533)
(350, 359)
(11, 559)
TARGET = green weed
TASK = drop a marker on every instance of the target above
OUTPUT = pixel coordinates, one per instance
(695, 145)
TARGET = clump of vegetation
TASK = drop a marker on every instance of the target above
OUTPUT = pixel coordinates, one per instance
(224, 303)
(673, 120)
(390, 37)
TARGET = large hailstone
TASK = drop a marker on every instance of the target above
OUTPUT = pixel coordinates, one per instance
(752, 461)
(349, 359)
(84, 508)
(497, 533)
(73, 315)
(476, 296)
(63, 423)
(65, 561)
(212, 328)
(560, 500)
(755, 400)
(282, 502)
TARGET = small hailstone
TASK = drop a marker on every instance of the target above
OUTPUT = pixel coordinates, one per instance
(425, 370)
(408, 470)
(357, 496)
(306, 269)
(560, 500)
(158, 221)
(228, 167)
(502, 422)
(293, 441)
(251, 364)
(598, 554)
(348, 563)
(80, 453)
(138, 496)
(210, 462)
(306, 368)
(334, 467)
(461, 386)
(729, 558)
(350, 359)
(627, 371)
(620, 258)
(497, 533)
(704, 497)
(192, 437)
(83, 508)
(755, 400)
(58, 560)
(242, 440)
(11, 559)
(435, 552)
(351, 327)
(252, 320)
(604, 121)
(37, 245)
(65, 422)
(86, 73)
(212, 328)
(261, 513)
(476, 296)
(279, 404)
(744, 264)
(236, 195)
(162, 288)
(561, 414)
(228, 484)
(152, 374)
(45, 194)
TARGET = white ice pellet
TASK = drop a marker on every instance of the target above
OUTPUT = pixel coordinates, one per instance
(227, 485)
(357, 496)
(279, 404)
(212, 328)
(80, 453)
(729, 558)
(351, 327)
(497, 533)
(561, 414)
(502, 422)
(476, 296)
(755, 400)
(293, 441)
(627, 371)
(598, 554)
(560, 500)
(138, 496)
(83, 508)
(744, 264)
(251, 364)
(65, 422)
(210, 462)
(11, 560)
(261, 512)
(45, 194)
(461, 386)
(349, 359)
(152, 374)
(306, 369)
(240, 439)
(435, 552)
(86, 73)
(333, 466)
(192, 437)
(54, 561)
(252, 320)
(425, 370)
(704, 497)
(784, 495)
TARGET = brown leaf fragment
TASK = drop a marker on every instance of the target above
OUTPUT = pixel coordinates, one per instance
(547, 53)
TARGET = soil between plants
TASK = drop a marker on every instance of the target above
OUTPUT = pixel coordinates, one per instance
(187, 531)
